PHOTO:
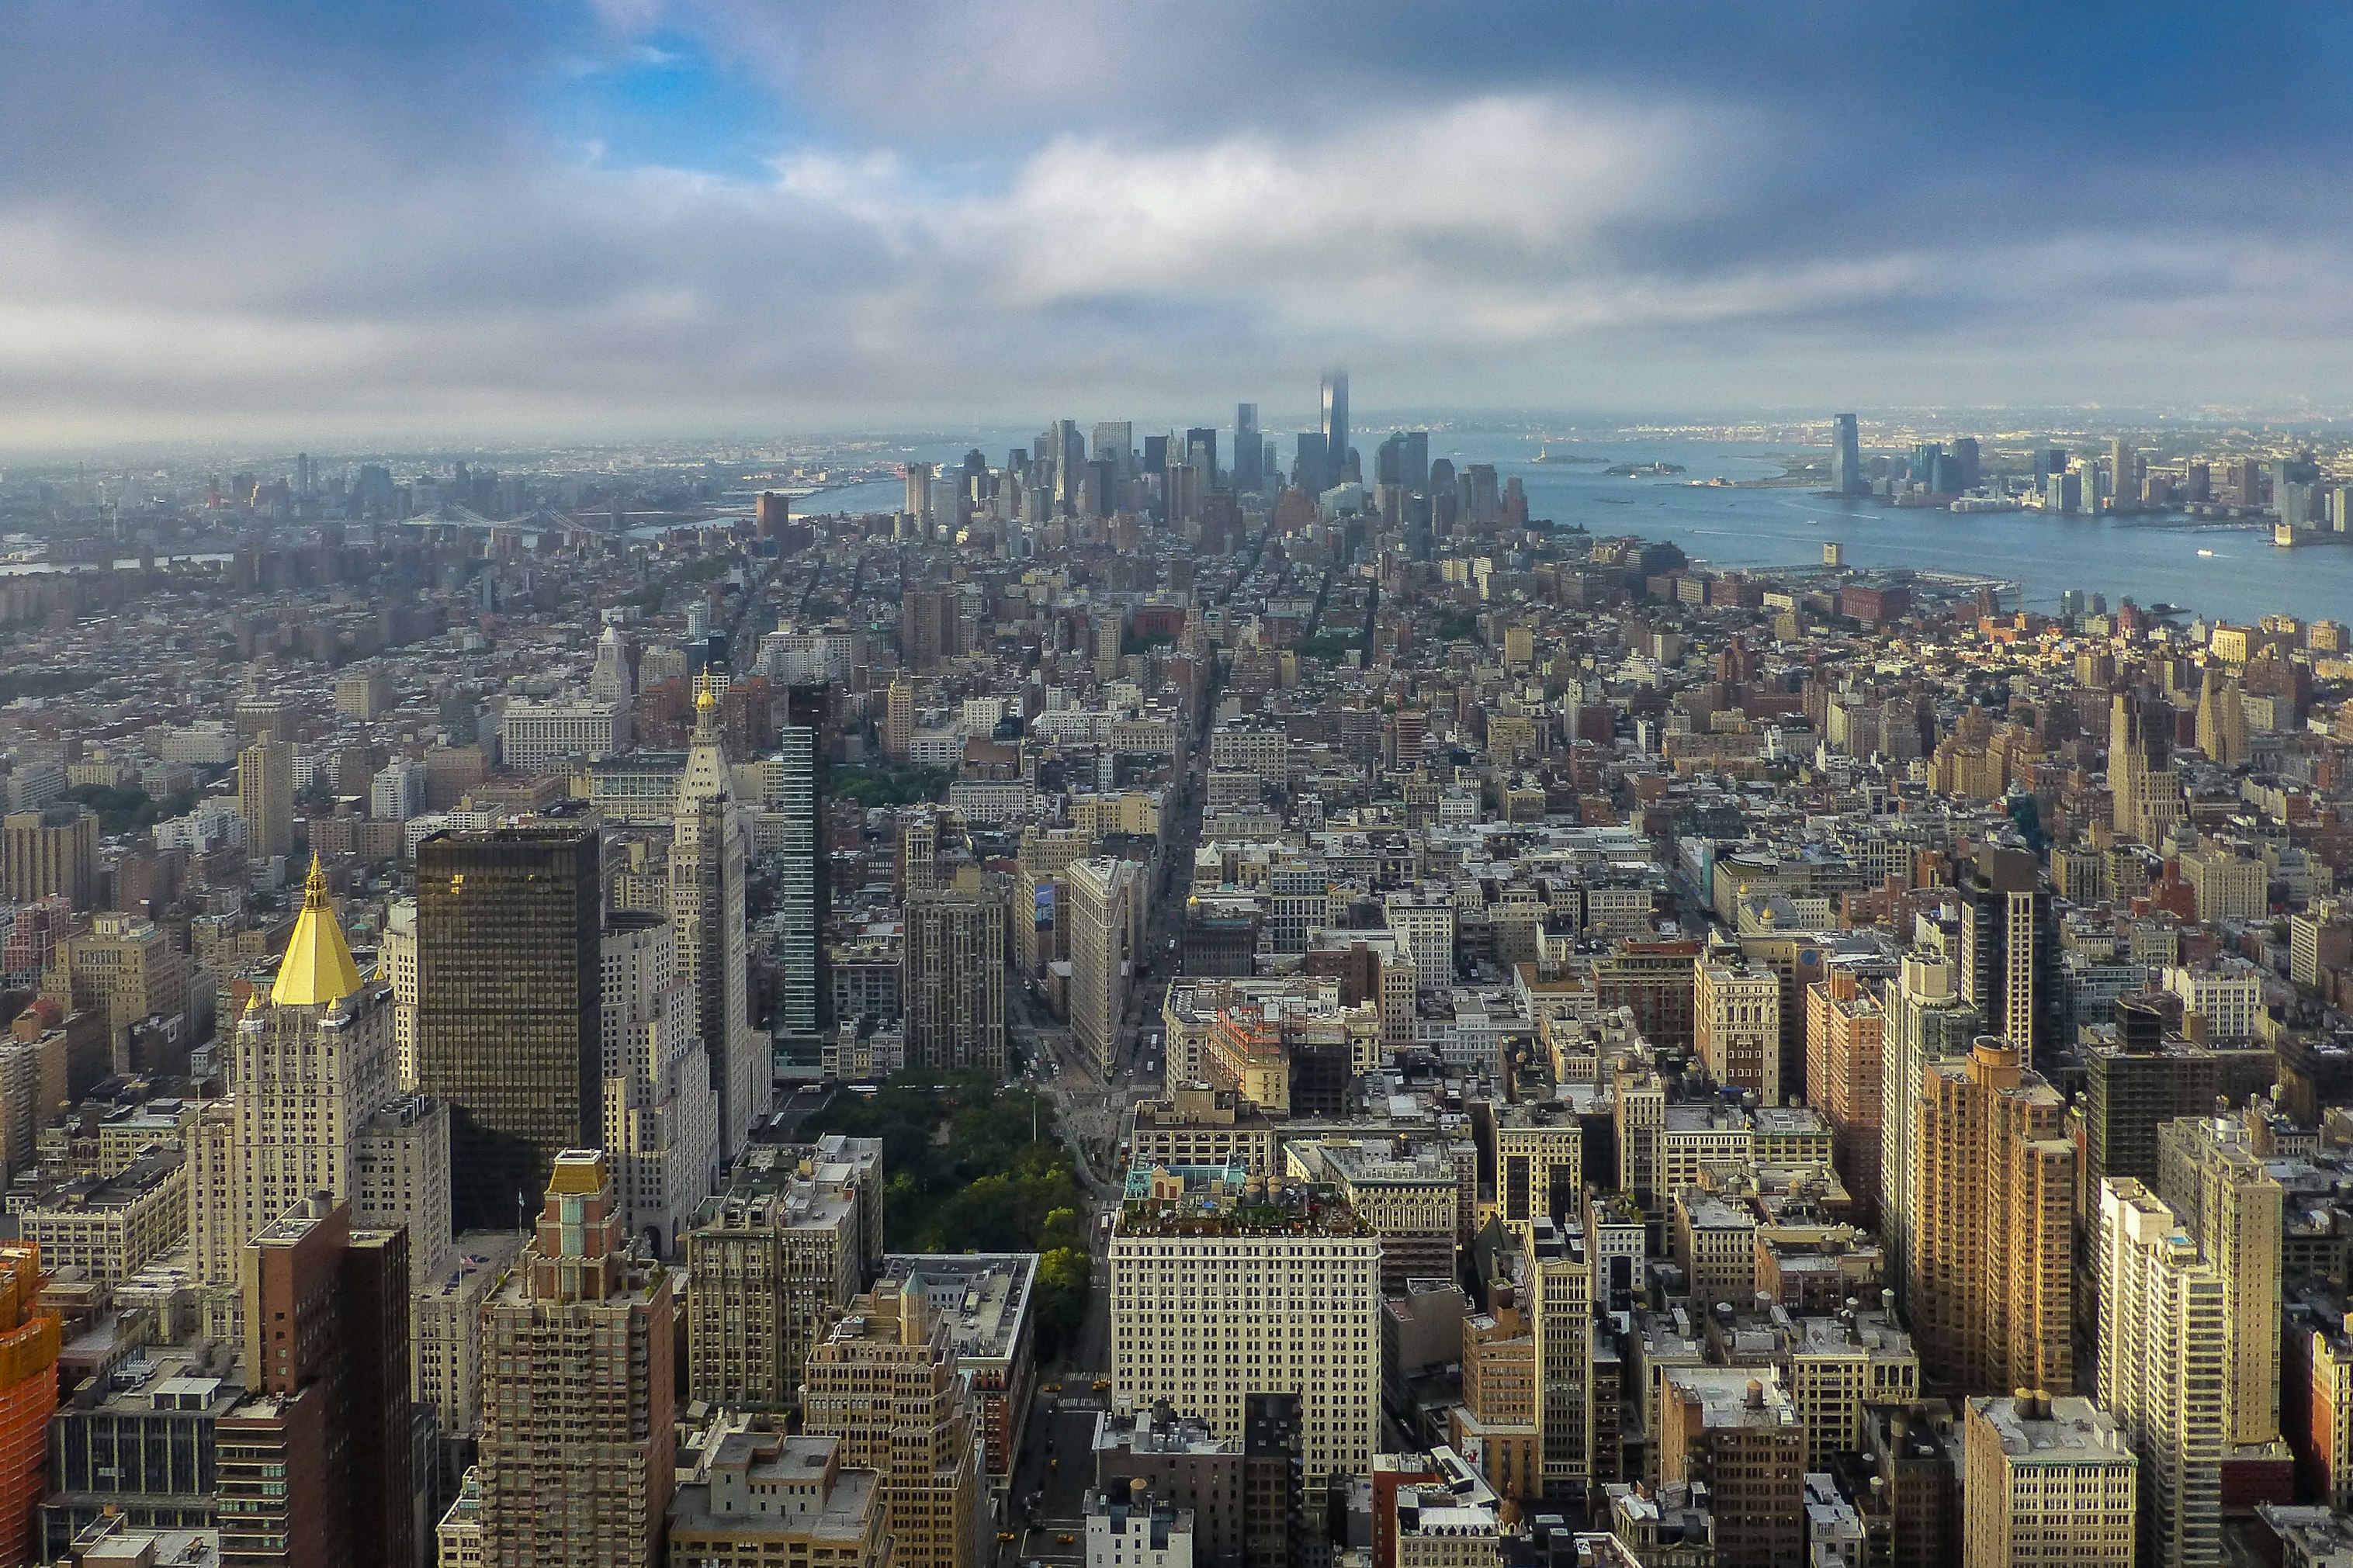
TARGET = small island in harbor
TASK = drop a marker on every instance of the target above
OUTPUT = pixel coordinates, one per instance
(1642, 471)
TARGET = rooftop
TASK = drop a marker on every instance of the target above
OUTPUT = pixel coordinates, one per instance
(984, 1298)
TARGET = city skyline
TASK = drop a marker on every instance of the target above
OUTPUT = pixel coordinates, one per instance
(598, 219)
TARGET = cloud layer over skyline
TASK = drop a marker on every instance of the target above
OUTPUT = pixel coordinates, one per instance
(422, 217)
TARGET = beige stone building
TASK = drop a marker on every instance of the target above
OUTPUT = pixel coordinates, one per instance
(2046, 1483)
(885, 1383)
(1220, 1289)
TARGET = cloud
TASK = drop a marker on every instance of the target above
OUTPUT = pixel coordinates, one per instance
(385, 221)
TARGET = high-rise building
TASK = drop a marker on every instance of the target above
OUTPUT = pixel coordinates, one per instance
(2226, 1198)
(1927, 1023)
(2046, 1483)
(29, 1340)
(1846, 1076)
(2147, 1076)
(1967, 461)
(611, 681)
(952, 973)
(265, 798)
(578, 1375)
(706, 907)
(2146, 801)
(124, 969)
(662, 1113)
(775, 1259)
(1070, 449)
(1846, 458)
(2124, 464)
(1335, 425)
(2163, 1371)
(508, 1026)
(1559, 1306)
(1736, 1429)
(1313, 1331)
(2009, 951)
(803, 1003)
(918, 477)
(926, 626)
(1249, 452)
(1201, 451)
(314, 1094)
(316, 1470)
(885, 1382)
(1737, 1025)
(1114, 443)
(1100, 924)
(1992, 1224)
(899, 722)
(50, 853)
(2222, 720)
(1310, 467)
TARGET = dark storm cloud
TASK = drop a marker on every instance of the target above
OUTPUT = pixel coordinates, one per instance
(380, 217)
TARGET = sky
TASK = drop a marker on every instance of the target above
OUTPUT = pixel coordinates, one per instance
(560, 219)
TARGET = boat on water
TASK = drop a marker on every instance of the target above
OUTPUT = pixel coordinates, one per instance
(2205, 553)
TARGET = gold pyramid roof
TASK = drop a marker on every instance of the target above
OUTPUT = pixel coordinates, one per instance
(318, 967)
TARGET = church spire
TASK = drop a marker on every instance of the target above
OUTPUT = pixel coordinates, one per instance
(318, 967)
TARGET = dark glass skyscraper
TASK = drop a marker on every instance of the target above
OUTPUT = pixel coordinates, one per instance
(1310, 469)
(1250, 450)
(1335, 425)
(509, 1029)
(1846, 458)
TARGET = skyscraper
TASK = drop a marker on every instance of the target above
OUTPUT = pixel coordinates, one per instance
(1992, 1224)
(2124, 464)
(265, 798)
(2163, 1368)
(706, 906)
(775, 1259)
(1927, 1022)
(1202, 450)
(1101, 956)
(1845, 1075)
(801, 892)
(578, 1375)
(610, 681)
(1249, 454)
(1335, 425)
(1114, 442)
(2228, 1201)
(661, 1112)
(952, 972)
(316, 1472)
(886, 1383)
(1311, 469)
(2147, 799)
(2009, 951)
(507, 1012)
(314, 1092)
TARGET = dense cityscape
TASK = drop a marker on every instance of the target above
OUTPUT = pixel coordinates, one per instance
(1154, 999)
